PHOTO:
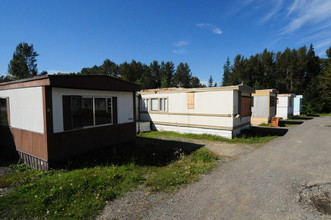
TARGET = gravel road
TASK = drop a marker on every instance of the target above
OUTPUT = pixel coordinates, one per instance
(265, 184)
(273, 182)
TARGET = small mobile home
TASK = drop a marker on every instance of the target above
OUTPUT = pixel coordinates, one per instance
(264, 106)
(285, 105)
(297, 108)
(54, 117)
(223, 111)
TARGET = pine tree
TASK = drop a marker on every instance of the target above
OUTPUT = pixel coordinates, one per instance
(23, 64)
(166, 72)
(182, 76)
(226, 81)
(210, 81)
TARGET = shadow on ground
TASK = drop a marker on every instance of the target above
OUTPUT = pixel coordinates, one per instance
(284, 123)
(266, 131)
(303, 118)
(144, 151)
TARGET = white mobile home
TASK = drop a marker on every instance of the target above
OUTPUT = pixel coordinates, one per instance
(285, 105)
(222, 111)
(264, 106)
(52, 118)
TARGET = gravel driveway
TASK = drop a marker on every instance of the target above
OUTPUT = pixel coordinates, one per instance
(289, 178)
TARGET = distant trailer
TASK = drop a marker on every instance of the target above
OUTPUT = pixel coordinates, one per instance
(297, 108)
(52, 118)
(285, 105)
(264, 106)
(224, 111)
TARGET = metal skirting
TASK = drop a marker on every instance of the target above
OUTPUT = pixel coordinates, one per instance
(33, 162)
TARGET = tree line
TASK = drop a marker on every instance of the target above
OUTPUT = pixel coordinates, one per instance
(155, 75)
(298, 71)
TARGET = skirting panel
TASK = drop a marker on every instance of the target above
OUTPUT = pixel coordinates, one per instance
(190, 130)
(33, 162)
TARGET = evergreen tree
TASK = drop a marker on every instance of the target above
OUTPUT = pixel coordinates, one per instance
(195, 82)
(166, 71)
(210, 81)
(155, 74)
(182, 76)
(313, 66)
(23, 64)
(312, 102)
(109, 68)
(238, 70)
(325, 82)
(226, 81)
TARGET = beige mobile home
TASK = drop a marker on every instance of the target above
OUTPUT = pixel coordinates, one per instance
(264, 106)
(222, 111)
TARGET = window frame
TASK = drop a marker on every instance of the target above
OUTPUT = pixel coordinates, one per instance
(94, 124)
(165, 104)
(157, 104)
(144, 101)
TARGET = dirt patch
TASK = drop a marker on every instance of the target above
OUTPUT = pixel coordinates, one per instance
(318, 197)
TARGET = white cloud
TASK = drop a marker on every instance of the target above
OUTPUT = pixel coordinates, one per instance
(306, 12)
(211, 27)
(179, 51)
(276, 7)
(181, 43)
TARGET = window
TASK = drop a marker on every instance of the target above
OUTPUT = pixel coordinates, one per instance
(103, 111)
(154, 104)
(81, 112)
(163, 104)
(3, 112)
(144, 105)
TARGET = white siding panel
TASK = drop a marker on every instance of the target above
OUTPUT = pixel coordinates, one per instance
(124, 104)
(26, 108)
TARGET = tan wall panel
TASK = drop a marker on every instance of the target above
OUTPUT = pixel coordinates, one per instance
(30, 143)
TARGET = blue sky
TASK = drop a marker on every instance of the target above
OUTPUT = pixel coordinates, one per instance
(72, 34)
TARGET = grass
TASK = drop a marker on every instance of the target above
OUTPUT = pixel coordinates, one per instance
(82, 193)
(264, 125)
(324, 114)
(247, 137)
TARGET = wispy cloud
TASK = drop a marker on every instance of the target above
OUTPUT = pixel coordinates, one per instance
(276, 7)
(298, 21)
(179, 51)
(181, 43)
(181, 47)
(211, 27)
(304, 12)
